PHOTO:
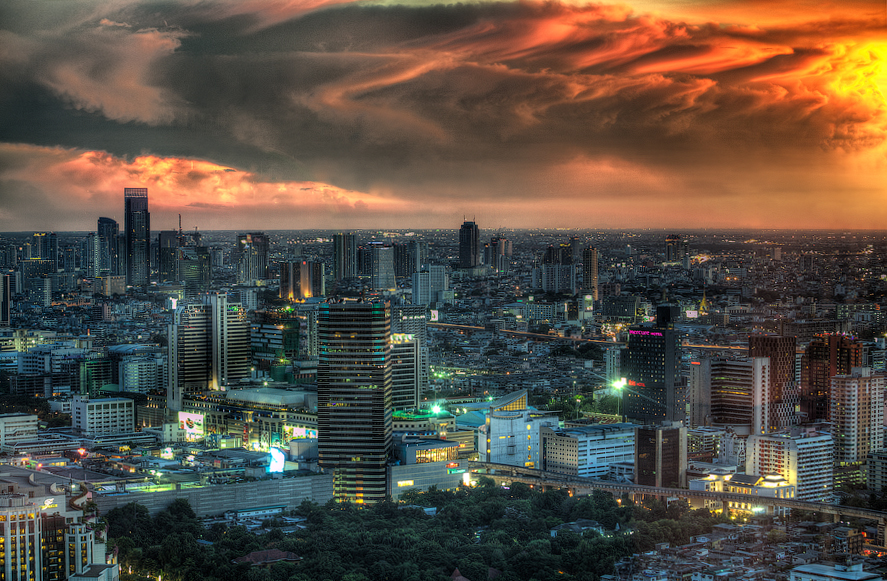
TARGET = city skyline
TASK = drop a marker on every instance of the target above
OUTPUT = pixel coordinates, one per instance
(325, 114)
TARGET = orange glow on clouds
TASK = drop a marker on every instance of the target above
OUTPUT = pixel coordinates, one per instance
(92, 182)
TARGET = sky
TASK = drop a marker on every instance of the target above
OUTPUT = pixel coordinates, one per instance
(283, 114)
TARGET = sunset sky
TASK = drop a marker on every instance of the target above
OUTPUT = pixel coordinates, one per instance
(278, 114)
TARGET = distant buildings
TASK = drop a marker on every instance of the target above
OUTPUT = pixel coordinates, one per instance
(469, 245)
(251, 257)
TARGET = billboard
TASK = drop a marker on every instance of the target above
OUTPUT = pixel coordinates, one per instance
(298, 432)
(192, 424)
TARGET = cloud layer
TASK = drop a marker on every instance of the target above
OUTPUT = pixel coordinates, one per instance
(522, 114)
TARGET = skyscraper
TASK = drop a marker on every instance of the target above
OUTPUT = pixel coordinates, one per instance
(137, 226)
(783, 389)
(825, 357)
(107, 233)
(653, 371)
(354, 397)
(590, 272)
(344, 256)
(739, 393)
(301, 280)
(382, 267)
(469, 245)
(857, 417)
(209, 347)
(5, 300)
(251, 256)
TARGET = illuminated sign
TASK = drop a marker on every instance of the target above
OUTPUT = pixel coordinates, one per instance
(456, 471)
(637, 383)
(402, 483)
(49, 503)
(278, 460)
(435, 316)
(692, 314)
(192, 424)
(298, 433)
(453, 465)
(650, 333)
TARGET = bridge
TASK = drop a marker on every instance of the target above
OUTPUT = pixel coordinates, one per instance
(505, 474)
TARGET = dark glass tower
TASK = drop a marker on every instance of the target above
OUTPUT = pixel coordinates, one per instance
(469, 245)
(344, 256)
(137, 225)
(654, 393)
(354, 398)
(107, 233)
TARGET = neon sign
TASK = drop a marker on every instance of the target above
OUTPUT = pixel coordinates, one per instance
(650, 333)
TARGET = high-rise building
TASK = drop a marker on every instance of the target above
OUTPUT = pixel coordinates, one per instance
(783, 389)
(406, 363)
(590, 272)
(382, 267)
(20, 538)
(301, 280)
(45, 246)
(344, 256)
(739, 393)
(803, 456)
(137, 226)
(857, 417)
(209, 347)
(251, 257)
(168, 242)
(5, 300)
(825, 357)
(354, 398)
(660, 455)
(469, 245)
(676, 248)
(652, 367)
(407, 258)
(411, 320)
(107, 232)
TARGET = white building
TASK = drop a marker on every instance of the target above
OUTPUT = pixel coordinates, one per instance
(587, 451)
(822, 572)
(802, 456)
(512, 432)
(111, 415)
(771, 486)
(857, 418)
(22, 539)
(16, 428)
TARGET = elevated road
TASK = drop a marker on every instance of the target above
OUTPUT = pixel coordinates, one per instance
(504, 474)
(543, 337)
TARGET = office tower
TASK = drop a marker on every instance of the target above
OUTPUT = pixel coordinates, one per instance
(469, 245)
(555, 278)
(251, 257)
(513, 431)
(209, 347)
(107, 232)
(5, 300)
(590, 272)
(825, 357)
(803, 456)
(652, 367)
(561, 254)
(411, 320)
(699, 393)
(167, 244)
(406, 362)
(431, 286)
(422, 288)
(137, 230)
(739, 393)
(20, 538)
(408, 258)
(660, 455)
(382, 267)
(783, 389)
(45, 246)
(344, 256)
(497, 253)
(194, 267)
(354, 398)
(301, 280)
(857, 417)
(676, 249)
(587, 451)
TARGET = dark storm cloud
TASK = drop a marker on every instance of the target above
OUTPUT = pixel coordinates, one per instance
(432, 103)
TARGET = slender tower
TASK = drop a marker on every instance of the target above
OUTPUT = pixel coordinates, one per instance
(137, 223)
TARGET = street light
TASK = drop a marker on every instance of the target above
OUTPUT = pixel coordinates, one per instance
(619, 385)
